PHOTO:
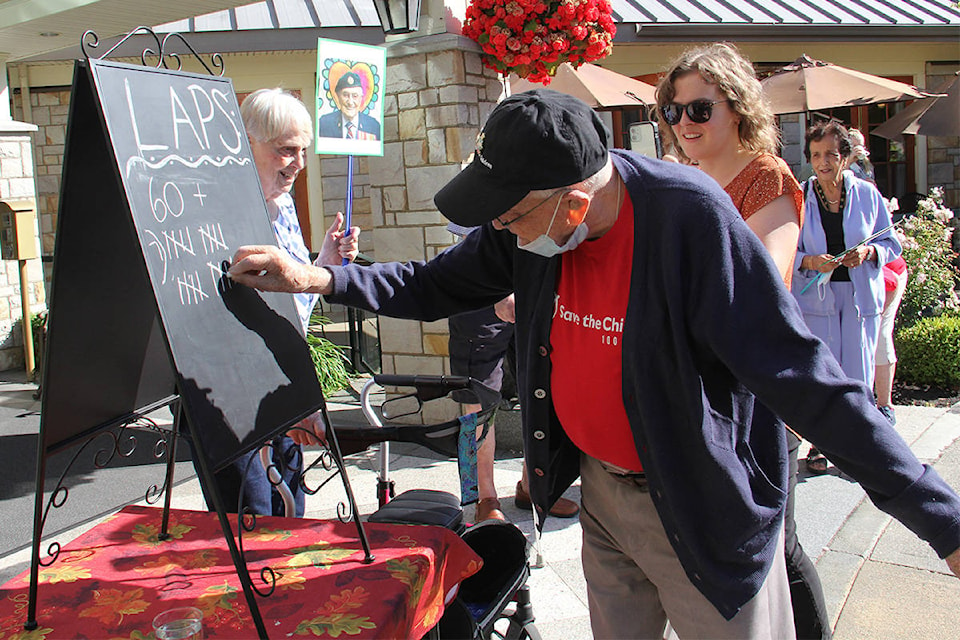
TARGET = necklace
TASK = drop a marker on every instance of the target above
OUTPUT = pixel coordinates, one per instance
(823, 196)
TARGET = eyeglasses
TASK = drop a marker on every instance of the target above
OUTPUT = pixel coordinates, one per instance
(290, 151)
(698, 111)
(506, 225)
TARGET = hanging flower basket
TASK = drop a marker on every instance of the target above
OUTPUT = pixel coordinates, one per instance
(531, 38)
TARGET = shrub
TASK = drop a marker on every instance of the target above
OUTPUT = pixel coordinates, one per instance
(328, 359)
(38, 328)
(926, 249)
(928, 352)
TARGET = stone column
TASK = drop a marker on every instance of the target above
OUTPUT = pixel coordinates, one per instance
(437, 95)
(943, 152)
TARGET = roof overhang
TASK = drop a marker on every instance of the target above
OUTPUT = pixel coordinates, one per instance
(659, 33)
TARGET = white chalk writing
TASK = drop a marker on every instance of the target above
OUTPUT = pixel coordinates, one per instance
(191, 292)
(212, 238)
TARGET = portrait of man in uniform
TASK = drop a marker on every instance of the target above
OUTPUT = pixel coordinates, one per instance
(348, 121)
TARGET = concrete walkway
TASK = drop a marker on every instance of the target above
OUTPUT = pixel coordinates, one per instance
(880, 581)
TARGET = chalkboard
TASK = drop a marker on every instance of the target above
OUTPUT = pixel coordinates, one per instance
(159, 190)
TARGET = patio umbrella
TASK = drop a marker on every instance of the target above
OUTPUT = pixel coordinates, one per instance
(598, 87)
(811, 85)
(927, 117)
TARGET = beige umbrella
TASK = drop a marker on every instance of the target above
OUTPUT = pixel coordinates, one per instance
(811, 85)
(598, 87)
(927, 117)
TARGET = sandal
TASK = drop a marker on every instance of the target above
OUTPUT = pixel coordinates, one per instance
(562, 508)
(816, 462)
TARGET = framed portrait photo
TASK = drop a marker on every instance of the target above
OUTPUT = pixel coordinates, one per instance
(350, 90)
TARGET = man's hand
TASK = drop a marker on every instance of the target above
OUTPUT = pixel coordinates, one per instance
(270, 268)
(337, 246)
(506, 309)
(953, 561)
(310, 430)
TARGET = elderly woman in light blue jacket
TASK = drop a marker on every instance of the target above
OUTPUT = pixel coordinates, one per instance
(843, 304)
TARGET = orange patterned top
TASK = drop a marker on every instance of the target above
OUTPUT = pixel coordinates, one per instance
(765, 179)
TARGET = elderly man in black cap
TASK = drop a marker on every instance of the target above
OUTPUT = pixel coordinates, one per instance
(658, 351)
(347, 121)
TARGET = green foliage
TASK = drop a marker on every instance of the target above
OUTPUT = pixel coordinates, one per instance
(38, 321)
(929, 256)
(328, 359)
(38, 329)
(928, 352)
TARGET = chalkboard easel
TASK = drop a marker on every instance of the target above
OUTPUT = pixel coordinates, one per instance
(159, 189)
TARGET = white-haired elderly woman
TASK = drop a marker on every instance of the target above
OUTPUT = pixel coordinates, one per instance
(280, 129)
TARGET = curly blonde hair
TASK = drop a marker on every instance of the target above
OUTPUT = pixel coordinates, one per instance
(721, 64)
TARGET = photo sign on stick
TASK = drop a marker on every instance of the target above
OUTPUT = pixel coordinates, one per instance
(192, 192)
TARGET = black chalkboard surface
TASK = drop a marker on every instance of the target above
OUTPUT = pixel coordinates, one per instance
(159, 190)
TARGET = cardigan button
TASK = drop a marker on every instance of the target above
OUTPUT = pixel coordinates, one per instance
(539, 435)
(543, 351)
(540, 394)
(539, 472)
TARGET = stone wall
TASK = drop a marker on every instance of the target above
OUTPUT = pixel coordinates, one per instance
(943, 153)
(16, 182)
(438, 94)
(48, 110)
(791, 138)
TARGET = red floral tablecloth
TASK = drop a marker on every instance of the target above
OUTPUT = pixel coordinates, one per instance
(111, 581)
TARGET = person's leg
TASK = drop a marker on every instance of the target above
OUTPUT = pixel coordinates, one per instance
(830, 330)
(635, 581)
(246, 472)
(766, 616)
(886, 359)
(562, 508)
(858, 342)
(478, 340)
(488, 506)
(806, 593)
(288, 458)
(883, 375)
(623, 602)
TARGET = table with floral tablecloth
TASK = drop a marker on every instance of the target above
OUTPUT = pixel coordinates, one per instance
(111, 581)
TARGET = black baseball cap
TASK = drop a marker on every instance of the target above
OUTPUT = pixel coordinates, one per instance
(534, 140)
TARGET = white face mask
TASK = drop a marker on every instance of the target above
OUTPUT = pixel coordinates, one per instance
(544, 245)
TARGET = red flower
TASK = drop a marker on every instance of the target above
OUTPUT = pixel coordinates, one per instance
(533, 37)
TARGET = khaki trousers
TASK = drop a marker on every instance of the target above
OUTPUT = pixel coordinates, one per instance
(635, 582)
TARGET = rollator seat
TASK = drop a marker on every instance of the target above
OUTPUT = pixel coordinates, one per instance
(422, 506)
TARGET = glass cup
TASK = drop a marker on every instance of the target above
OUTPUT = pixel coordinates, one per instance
(182, 623)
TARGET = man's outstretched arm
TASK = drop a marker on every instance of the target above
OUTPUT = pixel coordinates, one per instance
(269, 268)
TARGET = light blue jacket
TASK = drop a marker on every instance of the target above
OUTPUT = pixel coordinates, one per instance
(863, 215)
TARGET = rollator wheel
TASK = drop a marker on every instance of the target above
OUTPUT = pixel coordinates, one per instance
(516, 631)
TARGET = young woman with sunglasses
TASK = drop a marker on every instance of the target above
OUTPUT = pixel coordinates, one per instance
(711, 109)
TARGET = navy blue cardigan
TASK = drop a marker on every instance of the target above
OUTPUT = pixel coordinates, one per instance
(711, 338)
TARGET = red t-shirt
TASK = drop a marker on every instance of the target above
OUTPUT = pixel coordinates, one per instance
(587, 339)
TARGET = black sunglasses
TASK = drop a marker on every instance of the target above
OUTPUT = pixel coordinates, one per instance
(698, 111)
